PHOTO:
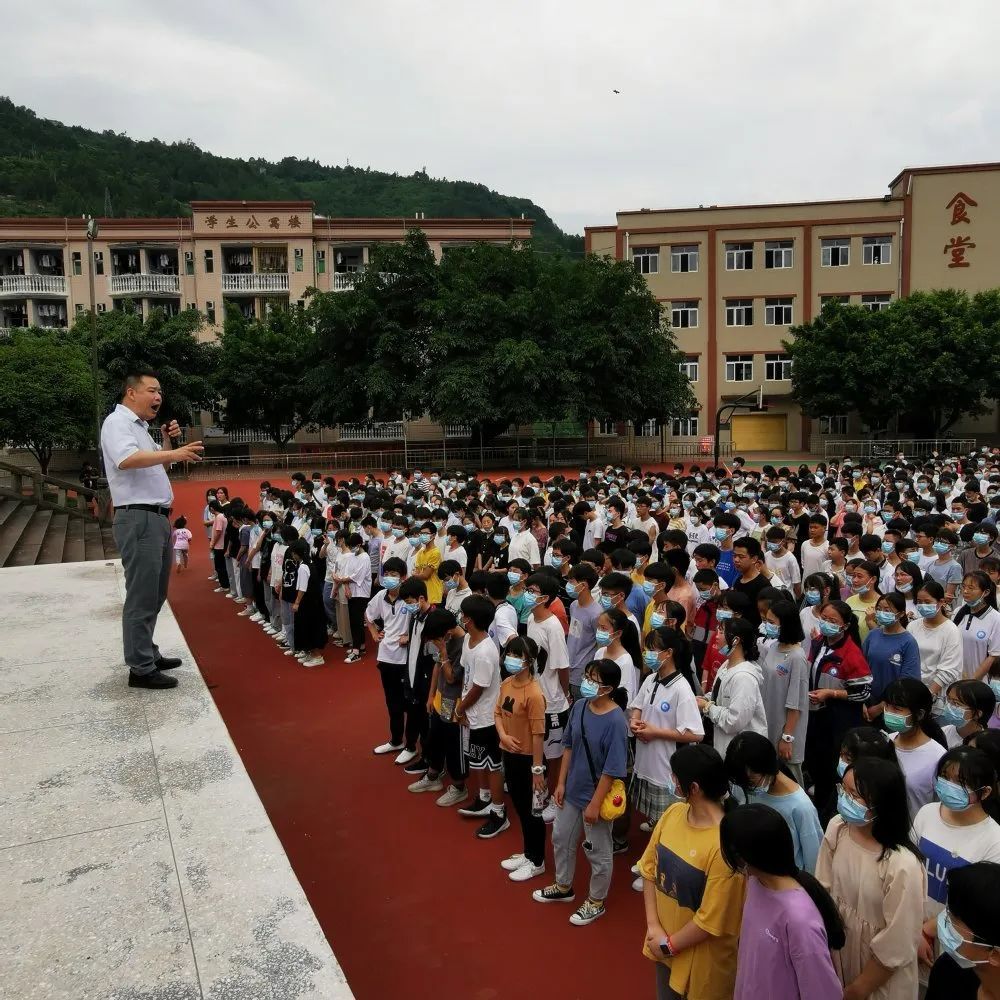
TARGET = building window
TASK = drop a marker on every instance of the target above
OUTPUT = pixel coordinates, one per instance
(684, 426)
(835, 253)
(684, 258)
(825, 300)
(739, 312)
(190, 307)
(209, 262)
(876, 249)
(101, 307)
(77, 262)
(739, 256)
(210, 312)
(876, 303)
(689, 368)
(647, 429)
(778, 312)
(98, 262)
(683, 314)
(299, 259)
(646, 259)
(836, 424)
(777, 254)
(739, 367)
(777, 368)
(79, 308)
(321, 262)
(607, 427)
(189, 262)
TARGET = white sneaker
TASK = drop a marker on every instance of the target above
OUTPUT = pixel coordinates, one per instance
(514, 862)
(313, 661)
(218, 590)
(231, 597)
(301, 656)
(452, 796)
(256, 617)
(213, 577)
(635, 868)
(290, 652)
(245, 613)
(638, 884)
(549, 812)
(646, 827)
(268, 630)
(387, 747)
(406, 756)
(526, 871)
(426, 784)
(352, 657)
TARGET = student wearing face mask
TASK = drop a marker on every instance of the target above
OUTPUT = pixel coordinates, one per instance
(891, 652)
(968, 933)
(874, 872)
(968, 708)
(790, 923)
(938, 638)
(616, 638)
(955, 831)
(840, 681)
(978, 623)
(865, 593)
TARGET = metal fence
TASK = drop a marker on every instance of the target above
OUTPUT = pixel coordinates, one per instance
(891, 447)
(530, 454)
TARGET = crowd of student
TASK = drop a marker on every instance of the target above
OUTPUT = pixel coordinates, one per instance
(786, 679)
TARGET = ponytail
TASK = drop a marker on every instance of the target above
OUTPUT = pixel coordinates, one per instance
(833, 924)
(620, 697)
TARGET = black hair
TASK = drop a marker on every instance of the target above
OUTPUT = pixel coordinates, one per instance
(735, 601)
(611, 676)
(698, 763)
(584, 572)
(849, 619)
(413, 586)
(527, 649)
(448, 568)
(394, 565)
(676, 642)
(749, 751)
(867, 741)
(621, 622)
(986, 585)
(759, 836)
(618, 582)
(976, 772)
(908, 692)
(547, 584)
(789, 623)
(870, 568)
(895, 600)
(976, 695)
(882, 786)
(497, 586)
(974, 897)
(742, 629)
(437, 624)
(181, 522)
(479, 610)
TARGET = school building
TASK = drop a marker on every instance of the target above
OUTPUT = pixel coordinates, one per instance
(733, 279)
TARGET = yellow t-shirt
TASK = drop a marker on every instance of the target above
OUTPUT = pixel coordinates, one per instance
(430, 555)
(693, 881)
(860, 609)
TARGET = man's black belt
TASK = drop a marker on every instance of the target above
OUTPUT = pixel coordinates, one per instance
(151, 507)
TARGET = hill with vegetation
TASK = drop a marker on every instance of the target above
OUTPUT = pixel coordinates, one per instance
(48, 168)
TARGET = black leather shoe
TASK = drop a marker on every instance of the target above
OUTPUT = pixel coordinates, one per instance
(167, 663)
(151, 680)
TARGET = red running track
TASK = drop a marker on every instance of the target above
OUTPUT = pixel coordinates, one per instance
(409, 899)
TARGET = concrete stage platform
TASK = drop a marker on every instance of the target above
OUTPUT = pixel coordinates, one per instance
(136, 860)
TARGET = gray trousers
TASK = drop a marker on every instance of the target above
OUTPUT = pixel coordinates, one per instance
(566, 832)
(143, 539)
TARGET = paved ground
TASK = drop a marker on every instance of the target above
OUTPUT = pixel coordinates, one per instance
(136, 860)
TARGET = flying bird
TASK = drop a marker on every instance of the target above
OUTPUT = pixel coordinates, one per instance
(615, 91)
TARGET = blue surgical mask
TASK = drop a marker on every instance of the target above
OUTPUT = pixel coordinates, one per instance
(589, 688)
(398, 532)
(556, 560)
(994, 683)
(606, 602)
(725, 649)
(267, 525)
(897, 723)
(514, 664)
(410, 609)
(774, 546)
(813, 597)
(704, 595)
(571, 590)
(513, 578)
(950, 941)
(648, 587)
(651, 658)
(424, 538)
(499, 539)
(657, 620)
(954, 715)
(530, 599)
(451, 584)
(927, 610)
(851, 811)
(602, 637)
(952, 795)
(842, 766)
(770, 630)
(885, 617)
(861, 588)
(723, 614)
(940, 547)
(829, 629)
(776, 520)
(390, 582)
(721, 534)
(888, 547)
(904, 588)
(981, 538)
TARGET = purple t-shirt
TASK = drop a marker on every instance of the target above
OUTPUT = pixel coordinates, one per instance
(783, 948)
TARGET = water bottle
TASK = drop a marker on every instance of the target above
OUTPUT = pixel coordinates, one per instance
(537, 801)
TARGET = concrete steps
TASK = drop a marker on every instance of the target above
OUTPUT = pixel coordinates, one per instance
(30, 536)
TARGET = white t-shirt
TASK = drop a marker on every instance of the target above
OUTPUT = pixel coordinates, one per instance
(549, 637)
(784, 568)
(980, 638)
(669, 705)
(945, 846)
(593, 534)
(504, 624)
(302, 578)
(481, 664)
(395, 624)
(524, 545)
(813, 557)
(919, 768)
(940, 652)
(459, 555)
(630, 676)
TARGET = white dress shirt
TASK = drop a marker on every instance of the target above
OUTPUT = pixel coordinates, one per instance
(123, 434)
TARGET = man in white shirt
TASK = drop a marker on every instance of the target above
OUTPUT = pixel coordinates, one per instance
(523, 544)
(816, 547)
(141, 494)
(552, 665)
(593, 533)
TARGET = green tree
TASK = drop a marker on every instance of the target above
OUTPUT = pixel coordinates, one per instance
(264, 373)
(46, 393)
(184, 365)
(930, 358)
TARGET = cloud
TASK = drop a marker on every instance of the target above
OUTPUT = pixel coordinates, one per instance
(721, 102)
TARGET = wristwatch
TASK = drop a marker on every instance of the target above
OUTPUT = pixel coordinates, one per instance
(537, 769)
(787, 738)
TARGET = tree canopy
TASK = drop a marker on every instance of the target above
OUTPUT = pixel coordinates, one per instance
(929, 358)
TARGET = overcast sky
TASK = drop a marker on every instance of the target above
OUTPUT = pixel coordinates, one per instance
(720, 102)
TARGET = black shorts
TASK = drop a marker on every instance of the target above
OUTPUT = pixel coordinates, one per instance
(482, 749)
(555, 726)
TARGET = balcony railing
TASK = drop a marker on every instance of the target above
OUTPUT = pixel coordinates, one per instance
(252, 283)
(144, 284)
(32, 284)
(345, 281)
(388, 431)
